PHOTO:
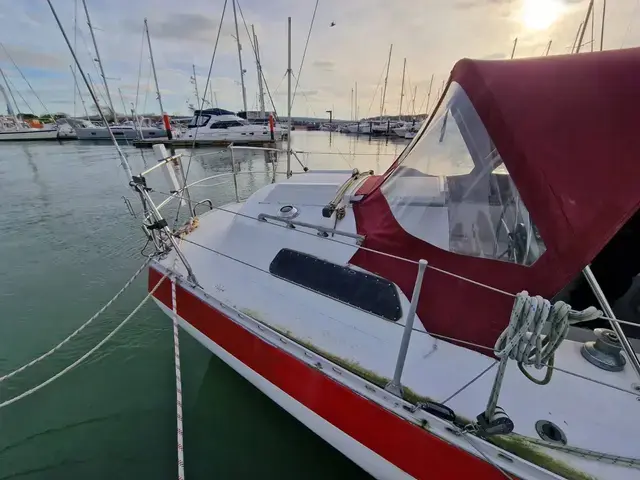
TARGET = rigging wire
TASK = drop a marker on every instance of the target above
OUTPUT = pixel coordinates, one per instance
(266, 85)
(11, 90)
(25, 79)
(10, 93)
(395, 257)
(375, 92)
(140, 72)
(96, 86)
(631, 19)
(281, 80)
(422, 332)
(304, 53)
(75, 47)
(202, 101)
(305, 97)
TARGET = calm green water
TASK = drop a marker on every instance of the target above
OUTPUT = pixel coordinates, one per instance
(67, 244)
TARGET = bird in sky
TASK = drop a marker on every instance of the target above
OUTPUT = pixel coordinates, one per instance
(333, 24)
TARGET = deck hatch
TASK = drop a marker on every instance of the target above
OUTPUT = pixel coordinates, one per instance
(359, 289)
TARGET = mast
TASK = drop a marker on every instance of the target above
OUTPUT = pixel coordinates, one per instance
(548, 48)
(413, 102)
(351, 106)
(104, 77)
(155, 79)
(604, 13)
(10, 110)
(124, 105)
(75, 81)
(575, 40)
(75, 47)
(384, 91)
(515, 44)
(195, 84)
(259, 67)
(584, 27)
(355, 101)
(244, 92)
(6, 99)
(404, 66)
(288, 96)
(429, 93)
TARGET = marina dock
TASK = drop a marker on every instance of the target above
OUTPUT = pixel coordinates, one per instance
(188, 143)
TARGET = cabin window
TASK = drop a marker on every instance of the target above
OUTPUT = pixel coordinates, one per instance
(225, 124)
(362, 290)
(452, 189)
(199, 121)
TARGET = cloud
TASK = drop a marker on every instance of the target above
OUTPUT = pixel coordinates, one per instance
(27, 57)
(325, 65)
(184, 27)
(432, 38)
(495, 56)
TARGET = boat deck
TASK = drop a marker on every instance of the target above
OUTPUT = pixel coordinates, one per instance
(434, 368)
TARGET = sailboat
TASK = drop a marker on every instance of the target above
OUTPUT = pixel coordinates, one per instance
(128, 130)
(13, 129)
(385, 314)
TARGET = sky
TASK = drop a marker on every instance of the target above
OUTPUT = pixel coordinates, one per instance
(431, 34)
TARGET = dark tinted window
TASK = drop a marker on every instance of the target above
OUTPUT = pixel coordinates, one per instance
(365, 291)
(225, 124)
(199, 121)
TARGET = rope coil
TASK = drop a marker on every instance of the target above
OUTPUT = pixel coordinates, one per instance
(523, 340)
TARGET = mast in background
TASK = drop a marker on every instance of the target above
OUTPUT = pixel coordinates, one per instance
(413, 101)
(404, 66)
(604, 14)
(167, 126)
(289, 72)
(548, 48)
(429, 94)
(10, 110)
(515, 44)
(244, 92)
(355, 102)
(259, 67)
(75, 81)
(195, 85)
(584, 27)
(386, 78)
(104, 77)
(351, 106)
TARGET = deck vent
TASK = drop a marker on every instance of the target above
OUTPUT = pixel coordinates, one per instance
(550, 432)
(288, 211)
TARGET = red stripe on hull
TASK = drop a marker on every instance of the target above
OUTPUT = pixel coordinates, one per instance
(407, 446)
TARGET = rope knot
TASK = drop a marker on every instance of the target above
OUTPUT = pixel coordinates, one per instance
(523, 340)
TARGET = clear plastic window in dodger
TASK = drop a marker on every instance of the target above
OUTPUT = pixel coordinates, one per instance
(451, 189)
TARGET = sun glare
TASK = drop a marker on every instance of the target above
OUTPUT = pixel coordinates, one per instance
(540, 14)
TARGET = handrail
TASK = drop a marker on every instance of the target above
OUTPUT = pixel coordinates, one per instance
(322, 231)
(160, 163)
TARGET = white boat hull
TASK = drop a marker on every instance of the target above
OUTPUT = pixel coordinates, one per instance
(246, 133)
(368, 460)
(128, 133)
(364, 128)
(28, 135)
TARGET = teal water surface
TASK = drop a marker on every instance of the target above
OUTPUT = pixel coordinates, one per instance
(67, 245)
